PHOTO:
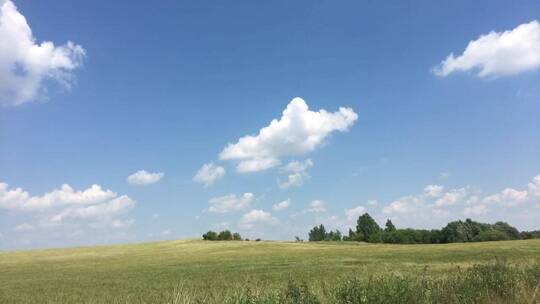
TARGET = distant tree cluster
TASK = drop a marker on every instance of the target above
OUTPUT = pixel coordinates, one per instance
(224, 235)
(526, 235)
(318, 233)
(367, 230)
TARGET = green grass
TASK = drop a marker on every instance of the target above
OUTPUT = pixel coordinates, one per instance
(180, 271)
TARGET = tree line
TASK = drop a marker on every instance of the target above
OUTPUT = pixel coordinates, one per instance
(367, 230)
(224, 235)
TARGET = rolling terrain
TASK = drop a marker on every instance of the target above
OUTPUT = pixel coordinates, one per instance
(176, 271)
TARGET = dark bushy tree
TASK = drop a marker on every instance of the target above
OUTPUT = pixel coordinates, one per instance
(389, 226)
(225, 235)
(460, 231)
(436, 236)
(471, 231)
(236, 236)
(505, 228)
(210, 236)
(367, 229)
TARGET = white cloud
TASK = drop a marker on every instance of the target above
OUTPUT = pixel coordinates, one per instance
(257, 164)
(475, 210)
(122, 223)
(298, 131)
(142, 177)
(444, 175)
(452, 197)
(65, 215)
(298, 166)
(426, 210)
(498, 53)
(293, 180)
(222, 225)
(297, 173)
(231, 202)
(25, 227)
(166, 232)
(249, 219)
(18, 199)
(433, 190)
(507, 197)
(282, 205)
(25, 64)
(353, 213)
(472, 200)
(534, 186)
(208, 174)
(316, 206)
(66, 202)
(107, 209)
(406, 204)
(372, 202)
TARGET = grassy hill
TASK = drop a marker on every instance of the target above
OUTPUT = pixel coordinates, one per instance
(180, 271)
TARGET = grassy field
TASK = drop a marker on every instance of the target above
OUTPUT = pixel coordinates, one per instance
(178, 271)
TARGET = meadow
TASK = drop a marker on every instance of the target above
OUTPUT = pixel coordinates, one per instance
(192, 271)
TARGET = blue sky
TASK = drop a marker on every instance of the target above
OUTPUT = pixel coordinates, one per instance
(165, 87)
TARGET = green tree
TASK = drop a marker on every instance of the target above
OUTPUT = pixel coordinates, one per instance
(236, 236)
(389, 226)
(535, 234)
(333, 236)
(352, 236)
(210, 236)
(491, 235)
(510, 231)
(225, 235)
(318, 233)
(367, 229)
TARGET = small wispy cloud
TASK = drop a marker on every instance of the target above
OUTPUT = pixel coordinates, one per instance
(142, 177)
